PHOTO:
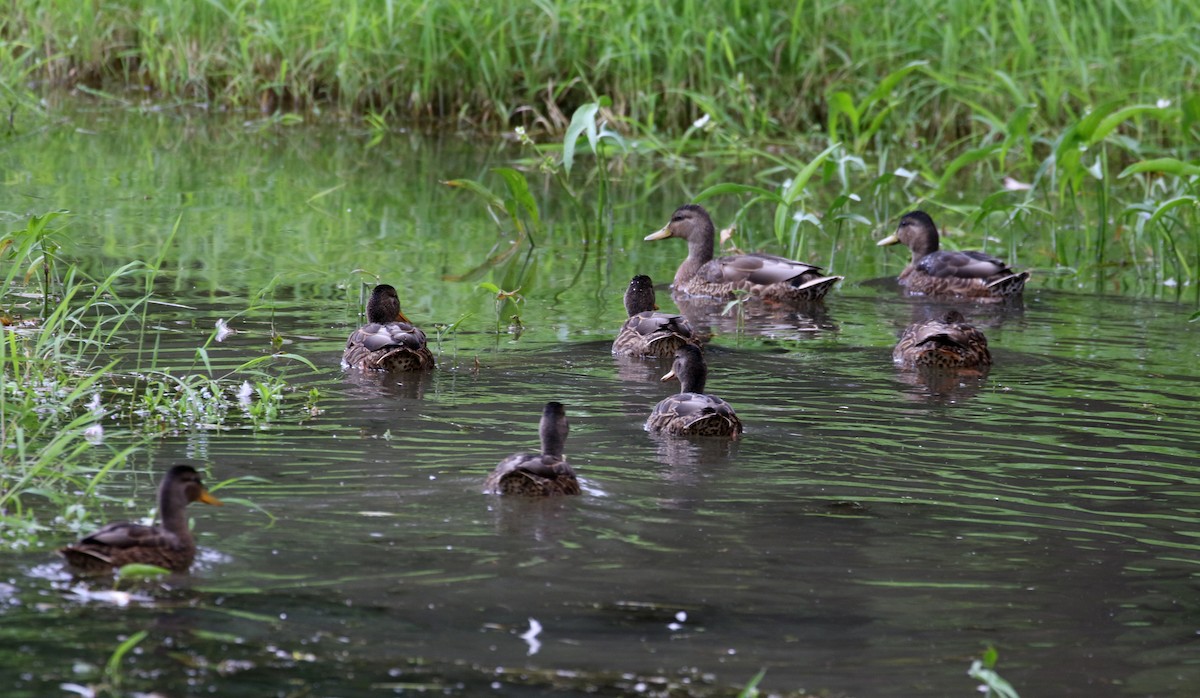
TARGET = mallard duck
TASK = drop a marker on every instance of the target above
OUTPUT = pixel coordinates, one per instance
(935, 272)
(169, 545)
(538, 474)
(388, 342)
(647, 332)
(766, 276)
(945, 342)
(691, 412)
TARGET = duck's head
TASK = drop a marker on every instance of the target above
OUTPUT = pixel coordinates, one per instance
(384, 306)
(639, 297)
(181, 486)
(917, 232)
(689, 221)
(689, 369)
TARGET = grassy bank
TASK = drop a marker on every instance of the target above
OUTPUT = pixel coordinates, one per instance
(770, 68)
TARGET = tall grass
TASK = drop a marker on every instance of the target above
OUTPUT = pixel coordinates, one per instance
(768, 68)
(64, 382)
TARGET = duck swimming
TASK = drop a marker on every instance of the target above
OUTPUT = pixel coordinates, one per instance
(762, 275)
(648, 332)
(945, 342)
(934, 272)
(538, 474)
(388, 342)
(691, 412)
(168, 545)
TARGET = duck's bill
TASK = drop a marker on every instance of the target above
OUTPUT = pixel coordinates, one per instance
(889, 240)
(670, 376)
(658, 234)
(209, 499)
(401, 317)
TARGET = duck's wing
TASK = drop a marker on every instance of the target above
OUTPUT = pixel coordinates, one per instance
(758, 269)
(125, 534)
(651, 323)
(964, 265)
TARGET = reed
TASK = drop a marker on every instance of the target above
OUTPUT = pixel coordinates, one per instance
(775, 68)
(75, 404)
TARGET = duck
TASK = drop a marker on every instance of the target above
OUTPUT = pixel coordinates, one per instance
(648, 332)
(944, 342)
(169, 545)
(764, 276)
(389, 341)
(692, 412)
(967, 274)
(542, 474)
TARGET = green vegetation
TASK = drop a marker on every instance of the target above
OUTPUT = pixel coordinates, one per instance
(67, 379)
(870, 72)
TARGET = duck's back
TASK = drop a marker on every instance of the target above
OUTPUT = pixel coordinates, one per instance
(394, 346)
(652, 333)
(694, 414)
(123, 543)
(763, 275)
(532, 474)
(964, 273)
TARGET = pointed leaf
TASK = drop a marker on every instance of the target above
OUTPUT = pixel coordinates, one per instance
(584, 119)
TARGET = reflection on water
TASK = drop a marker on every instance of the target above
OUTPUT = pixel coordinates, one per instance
(870, 533)
(1043, 505)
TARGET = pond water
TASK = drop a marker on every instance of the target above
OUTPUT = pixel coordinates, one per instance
(869, 535)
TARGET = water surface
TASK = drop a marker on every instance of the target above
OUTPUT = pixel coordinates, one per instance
(869, 535)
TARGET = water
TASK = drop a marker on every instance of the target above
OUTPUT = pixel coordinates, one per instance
(869, 535)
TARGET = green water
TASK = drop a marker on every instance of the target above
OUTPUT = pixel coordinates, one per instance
(868, 536)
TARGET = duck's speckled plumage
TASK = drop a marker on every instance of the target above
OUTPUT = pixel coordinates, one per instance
(946, 342)
(388, 342)
(169, 545)
(762, 275)
(966, 274)
(691, 412)
(538, 474)
(648, 332)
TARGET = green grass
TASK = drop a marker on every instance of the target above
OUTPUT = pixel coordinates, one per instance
(772, 68)
(74, 405)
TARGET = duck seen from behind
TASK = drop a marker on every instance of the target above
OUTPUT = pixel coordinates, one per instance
(538, 474)
(388, 342)
(648, 332)
(691, 412)
(762, 275)
(169, 545)
(935, 272)
(945, 342)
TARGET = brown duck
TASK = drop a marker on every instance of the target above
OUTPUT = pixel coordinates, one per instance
(945, 342)
(648, 332)
(691, 412)
(934, 272)
(169, 545)
(765, 276)
(538, 474)
(388, 342)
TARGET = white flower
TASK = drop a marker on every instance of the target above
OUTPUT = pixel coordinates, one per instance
(702, 121)
(1163, 103)
(1013, 185)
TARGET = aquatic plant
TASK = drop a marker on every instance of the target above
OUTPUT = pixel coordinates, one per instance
(76, 401)
(984, 671)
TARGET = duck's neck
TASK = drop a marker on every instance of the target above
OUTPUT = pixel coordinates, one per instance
(700, 252)
(172, 509)
(693, 379)
(554, 439)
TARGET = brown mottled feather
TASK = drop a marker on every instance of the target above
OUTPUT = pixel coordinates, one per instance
(691, 412)
(965, 274)
(538, 474)
(765, 276)
(170, 545)
(946, 342)
(648, 332)
(388, 342)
